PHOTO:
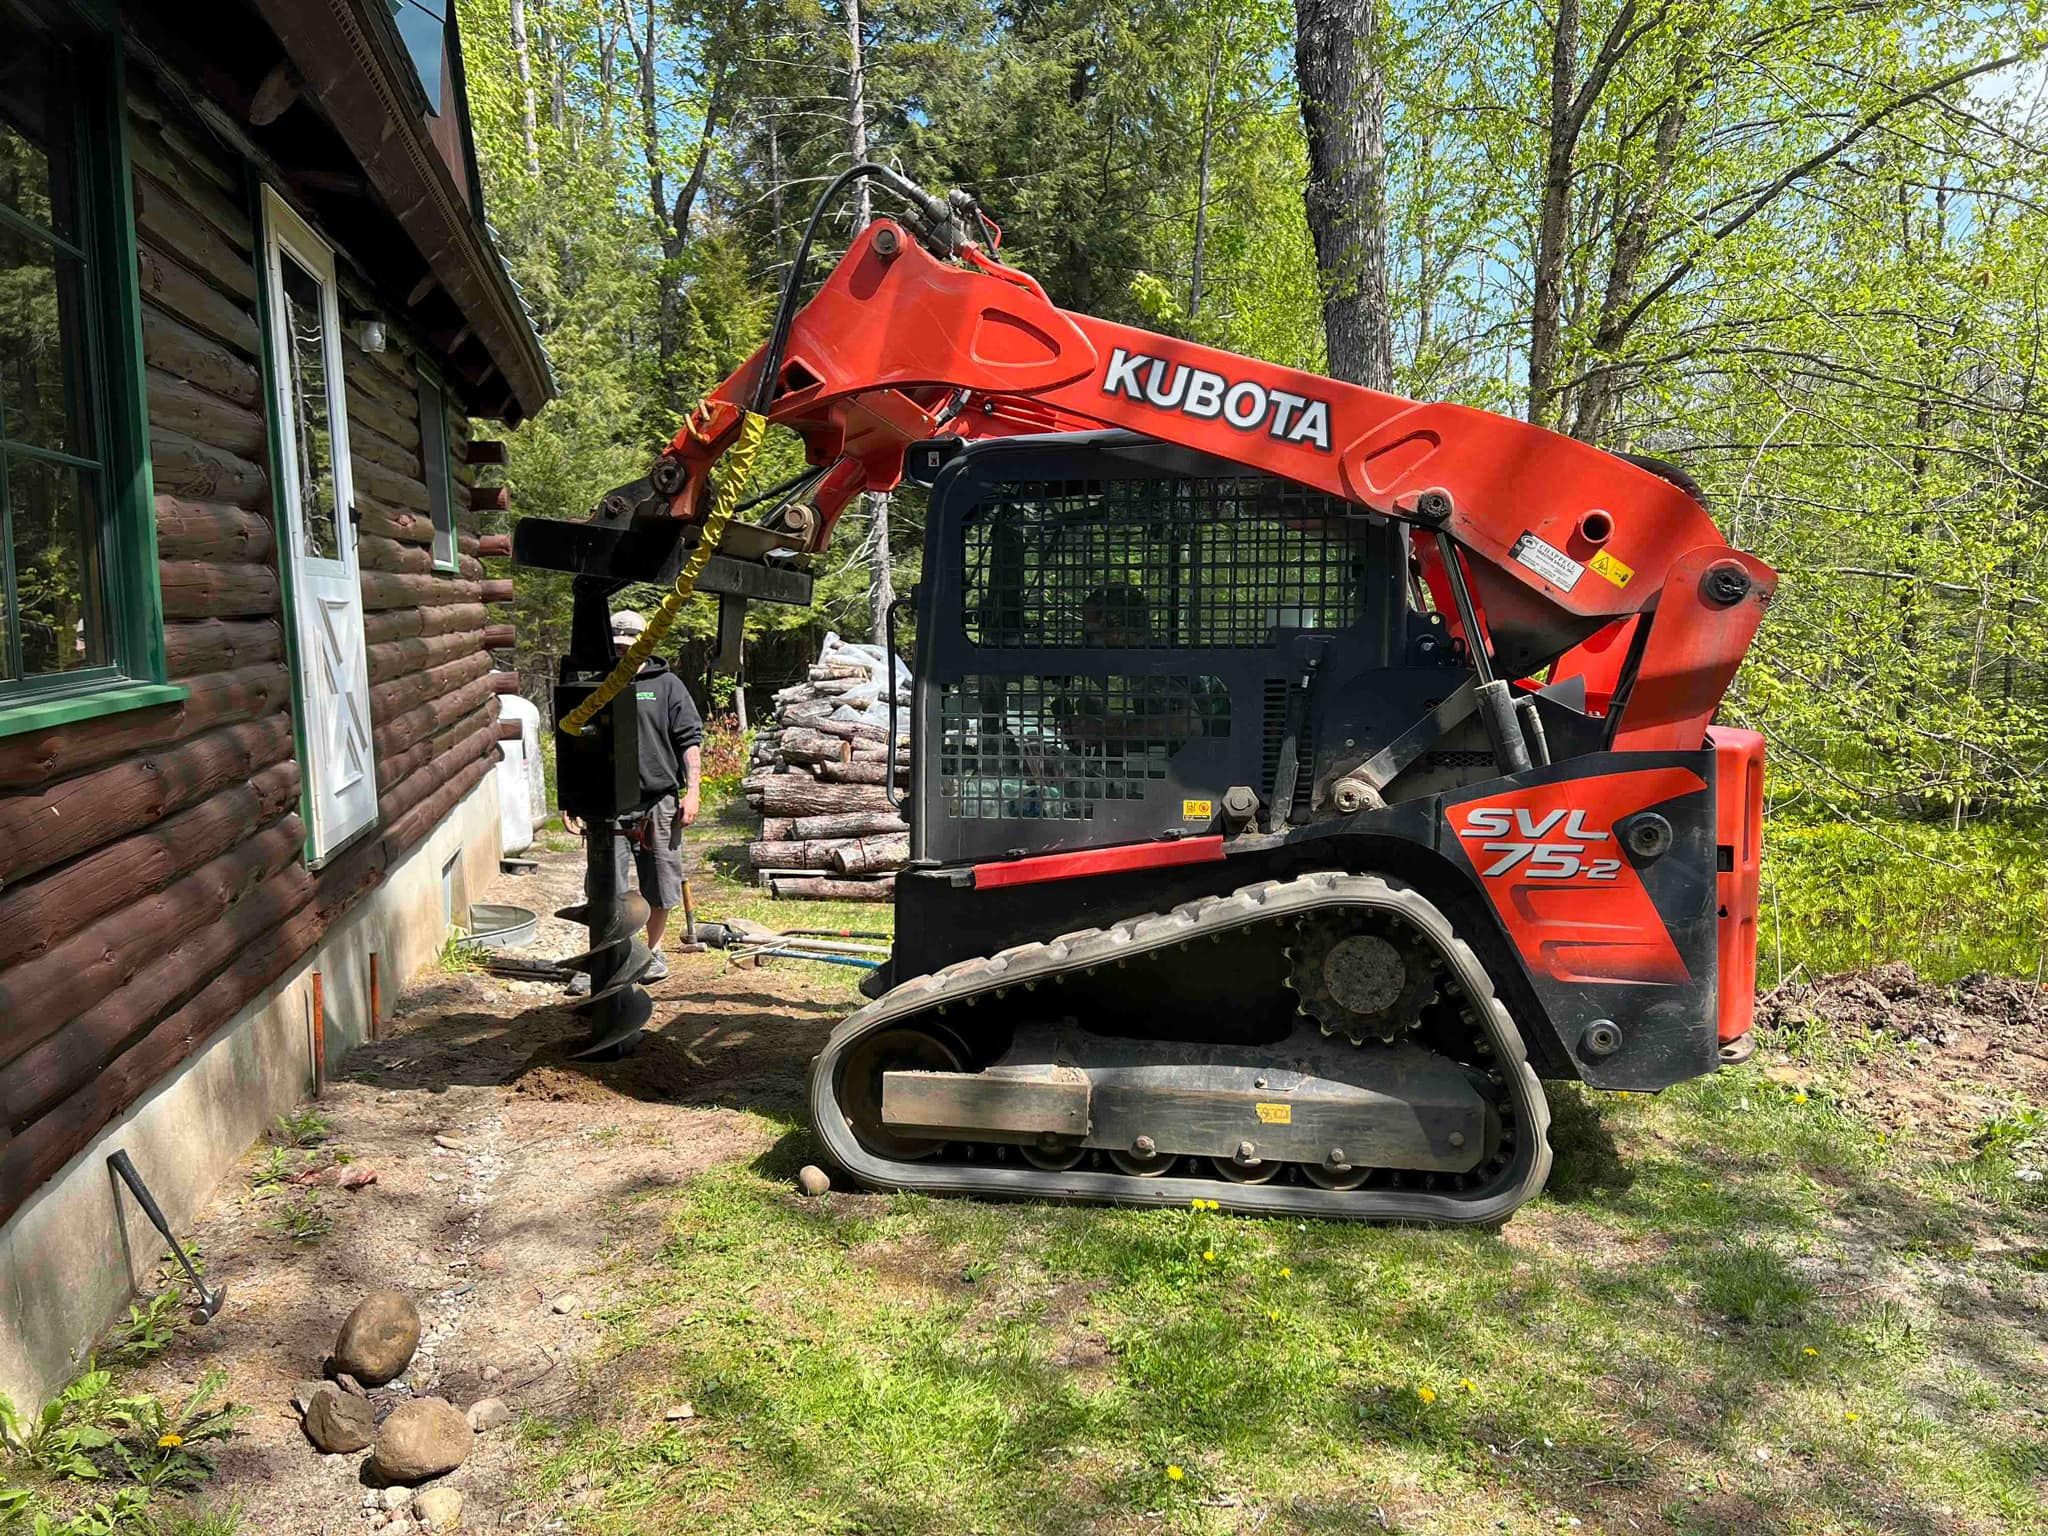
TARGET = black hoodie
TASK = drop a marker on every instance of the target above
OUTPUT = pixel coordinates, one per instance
(669, 726)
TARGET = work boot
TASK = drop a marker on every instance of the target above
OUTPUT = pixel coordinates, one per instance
(655, 972)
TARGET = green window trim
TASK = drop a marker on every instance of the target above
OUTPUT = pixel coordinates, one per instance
(132, 596)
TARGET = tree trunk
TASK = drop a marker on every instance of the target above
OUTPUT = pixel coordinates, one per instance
(523, 61)
(1343, 109)
(881, 578)
(1202, 177)
(1553, 218)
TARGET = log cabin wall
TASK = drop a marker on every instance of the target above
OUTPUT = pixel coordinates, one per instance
(153, 879)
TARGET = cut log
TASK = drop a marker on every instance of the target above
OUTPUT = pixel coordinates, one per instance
(802, 746)
(791, 855)
(510, 730)
(179, 164)
(503, 683)
(394, 800)
(39, 997)
(490, 498)
(197, 589)
(178, 405)
(185, 467)
(373, 517)
(820, 888)
(499, 590)
(166, 281)
(181, 352)
(424, 817)
(63, 820)
(216, 699)
(395, 425)
(424, 623)
(366, 442)
(382, 554)
(46, 910)
(495, 546)
(499, 637)
(394, 658)
(215, 645)
(204, 530)
(170, 223)
(797, 794)
(859, 773)
(778, 829)
(392, 490)
(854, 824)
(388, 700)
(871, 855)
(484, 451)
(429, 719)
(383, 590)
(854, 730)
(43, 1148)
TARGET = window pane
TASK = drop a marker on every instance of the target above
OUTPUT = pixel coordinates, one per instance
(423, 24)
(52, 510)
(42, 346)
(306, 328)
(34, 179)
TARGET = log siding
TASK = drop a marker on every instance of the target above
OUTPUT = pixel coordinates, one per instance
(152, 864)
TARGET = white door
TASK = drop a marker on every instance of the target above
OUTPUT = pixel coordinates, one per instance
(317, 537)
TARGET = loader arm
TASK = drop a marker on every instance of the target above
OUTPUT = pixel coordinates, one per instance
(1577, 560)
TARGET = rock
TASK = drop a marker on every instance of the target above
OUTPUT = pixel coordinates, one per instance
(492, 1373)
(396, 1498)
(451, 1143)
(423, 1438)
(304, 1393)
(565, 1304)
(489, 1413)
(349, 1384)
(811, 1179)
(338, 1423)
(438, 1509)
(679, 1413)
(378, 1338)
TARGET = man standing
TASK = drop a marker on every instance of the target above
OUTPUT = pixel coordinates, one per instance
(671, 758)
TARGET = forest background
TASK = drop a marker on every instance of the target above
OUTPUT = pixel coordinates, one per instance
(1798, 248)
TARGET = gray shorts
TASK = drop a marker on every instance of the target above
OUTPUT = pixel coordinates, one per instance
(657, 872)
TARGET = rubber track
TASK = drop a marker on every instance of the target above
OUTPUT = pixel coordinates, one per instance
(1218, 916)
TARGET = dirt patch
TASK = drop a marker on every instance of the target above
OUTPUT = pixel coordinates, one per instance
(1957, 1052)
(510, 1193)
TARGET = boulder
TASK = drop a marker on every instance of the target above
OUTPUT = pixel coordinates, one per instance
(377, 1339)
(304, 1393)
(421, 1439)
(813, 1180)
(438, 1509)
(338, 1423)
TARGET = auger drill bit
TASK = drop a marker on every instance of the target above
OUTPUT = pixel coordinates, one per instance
(617, 1008)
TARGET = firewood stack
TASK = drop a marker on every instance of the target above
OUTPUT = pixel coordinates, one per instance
(818, 779)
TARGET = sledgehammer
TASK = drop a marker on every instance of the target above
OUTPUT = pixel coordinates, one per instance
(209, 1301)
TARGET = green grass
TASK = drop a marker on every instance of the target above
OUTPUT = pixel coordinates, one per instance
(1738, 1308)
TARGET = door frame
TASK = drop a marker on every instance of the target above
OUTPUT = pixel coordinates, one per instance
(281, 228)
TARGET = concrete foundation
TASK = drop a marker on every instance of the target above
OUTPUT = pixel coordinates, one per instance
(73, 1257)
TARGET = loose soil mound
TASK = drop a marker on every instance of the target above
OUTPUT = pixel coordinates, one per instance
(1956, 1051)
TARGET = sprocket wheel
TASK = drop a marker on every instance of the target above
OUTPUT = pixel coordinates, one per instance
(1361, 978)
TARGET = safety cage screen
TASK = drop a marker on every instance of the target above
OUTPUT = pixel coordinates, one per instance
(1159, 563)
(1062, 747)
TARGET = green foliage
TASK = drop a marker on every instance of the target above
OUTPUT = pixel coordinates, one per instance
(66, 1438)
(461, 955)
(276, 1165)
(149, 1327)
(726, 748)
(165, 1446)
(1843, 896)
(302, 1128)
(302, 1219)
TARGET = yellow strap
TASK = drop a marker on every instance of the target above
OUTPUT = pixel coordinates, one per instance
(738, 461)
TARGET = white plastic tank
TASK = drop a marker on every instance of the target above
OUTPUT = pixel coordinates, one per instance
(522, 788)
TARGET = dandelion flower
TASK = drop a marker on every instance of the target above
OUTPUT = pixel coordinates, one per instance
(1198, 1203)
(1810, 1352)
(1175, 1472)
(1851, 1416)
(1468, 1383)
(1427, 1394)
(1208, 1255)
(1799, 1097)
(1273, 1316)
(171, 1441)
(1286, 1273)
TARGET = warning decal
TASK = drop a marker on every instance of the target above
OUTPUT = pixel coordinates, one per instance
(1276, 1114)
(1606, 565)
(1547, 561)
(1197, 810)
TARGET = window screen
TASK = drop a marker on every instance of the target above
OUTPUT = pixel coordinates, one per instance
(1059, 747)
(1159, 563)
